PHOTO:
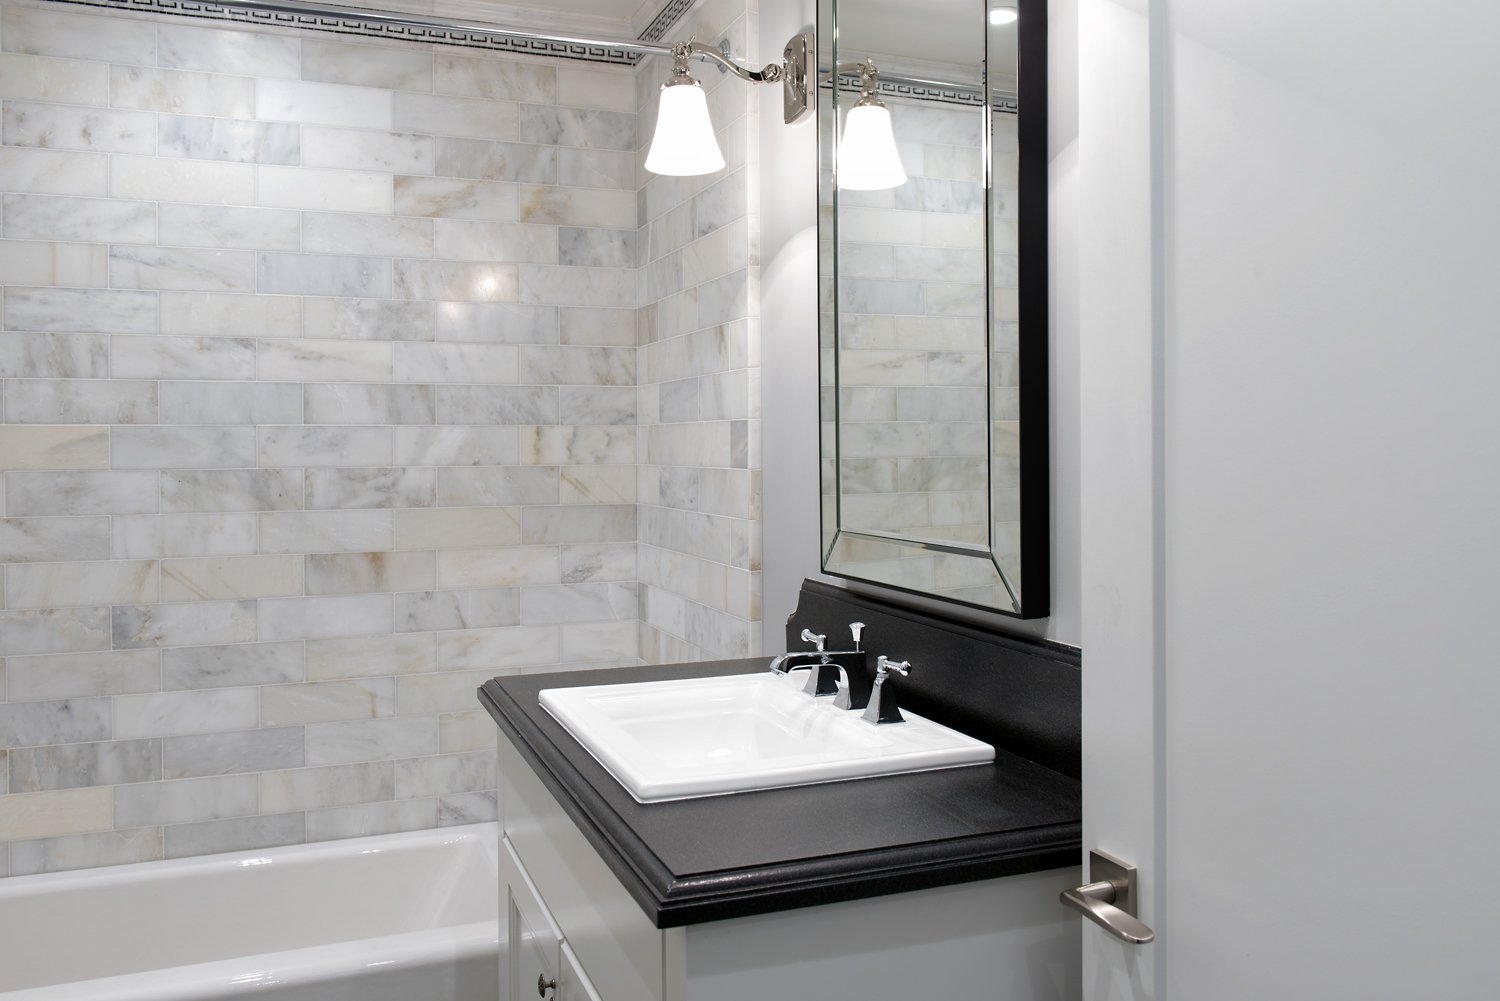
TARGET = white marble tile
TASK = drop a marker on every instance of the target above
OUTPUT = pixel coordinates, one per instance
(55, 309)
(231, 577)
(388, 66)
(445, 773)
(317, 274)
(228, 139)
(464, 282)
(573, 603)
(327, 701)
(205, 490)
(235, 666)
(164, 357)
(597, 248)
(586, 325)
(185, 801)
(427, 611)
(28, 262)
(497, 486)
(477, 240)
(580, 286)
(456, 446)
(497, 79)
(85, 851)
(537, 203)
(455, 363)
(40, 540)
(73, 766)
(375, 657)
(211, 837)
(588, 87)
(182, 270)
(487, 160)
(368, 319)
(83, 675)
(186, 624)
(169, 447)
(583, 563)
(590, 523)
(465, 808)
(368, 403)
(51, 172)
(325, 361)
(322, 104)
(325, 446)
(199, 755)
(598, 485)
(28, 816)
(367, 819)
(344, 233)
(229, 315)
(394, 487)
(331, 785)
(504, 567)
(454, 116)
(584, 127)
(323, 190)
(450, 528)
(53, 447)
(66, 721)
(79, 36)
(483, 649)
(450, 198)
(596, 168)
(553, 446)
(578, 366)
(90, 220)
(371, 740)
(466, 731)
(364, 149)
(228, 51)
(88, 492)
(326, 532)
(181, 92)
(245, 403)
(497, 323)
(159, 536)
(230, 228)
(358, 573)
(57, 126)
(65, 81)
(53, 585)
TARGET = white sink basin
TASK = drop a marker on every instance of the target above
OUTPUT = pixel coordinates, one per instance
(680, 739)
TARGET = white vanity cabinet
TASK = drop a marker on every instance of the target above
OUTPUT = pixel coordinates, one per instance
(572, 922)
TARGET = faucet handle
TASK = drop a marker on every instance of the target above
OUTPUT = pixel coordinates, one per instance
(816, 639)
(884, 665)
(855, 629)
(882, 707)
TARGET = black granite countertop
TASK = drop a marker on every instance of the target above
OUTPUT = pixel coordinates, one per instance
(698, 860)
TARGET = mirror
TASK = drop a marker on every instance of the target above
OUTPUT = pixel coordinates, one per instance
(933, 326)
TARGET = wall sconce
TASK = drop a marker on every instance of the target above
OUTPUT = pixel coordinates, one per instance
(684, 144)
(868, 159)
(1003, 14)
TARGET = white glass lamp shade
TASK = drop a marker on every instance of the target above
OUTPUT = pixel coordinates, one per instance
(684, 143)
(868, 160)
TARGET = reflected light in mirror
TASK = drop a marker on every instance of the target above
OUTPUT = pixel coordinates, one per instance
(868, 160)
(1002, 15)
(684, 143)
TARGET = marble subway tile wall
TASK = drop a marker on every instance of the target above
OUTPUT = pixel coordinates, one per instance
(700, 390)
(318, 366)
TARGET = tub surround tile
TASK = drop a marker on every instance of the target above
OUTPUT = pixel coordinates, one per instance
(307, 103)
(59, 309)
(231, 490)
(325, 617)
(326, 532)
(50, 585)
(65, 447)
(367, 319)
(75, 766)
(372, 740)
(39, 815)
(83, 675)
(184, 801)
(356, 573)
(57, 126)
(44, 540)
(86, 851)
(232, 666)
(457, 446)
(227, 51)
(457, 528)
(231, 577)
(371, 818)
(244, 404)
(231, 753)
(327, 701)
(79, 36)
(466, 731)
(170, 714)
(54, 630)
(39, 262)
(197, 138)
(372, 657)
(51, 172)
(466, 808)
(240, 834)
(332, 785)
(479, 649)
(182, 535)
(64, 721)
(388, 67)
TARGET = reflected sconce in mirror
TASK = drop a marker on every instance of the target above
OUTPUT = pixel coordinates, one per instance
(684, 144)
(868, 160)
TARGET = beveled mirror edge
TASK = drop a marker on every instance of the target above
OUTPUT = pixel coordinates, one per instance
(1034, 438)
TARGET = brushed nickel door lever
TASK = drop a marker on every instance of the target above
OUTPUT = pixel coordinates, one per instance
(1110, 900)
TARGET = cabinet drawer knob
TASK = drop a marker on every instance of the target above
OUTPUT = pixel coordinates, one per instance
(543, 985)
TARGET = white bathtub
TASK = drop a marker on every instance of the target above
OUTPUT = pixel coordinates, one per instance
(401, 917)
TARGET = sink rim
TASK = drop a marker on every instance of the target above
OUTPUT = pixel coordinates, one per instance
(854, 749)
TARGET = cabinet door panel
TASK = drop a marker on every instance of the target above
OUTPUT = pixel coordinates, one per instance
(600, 920)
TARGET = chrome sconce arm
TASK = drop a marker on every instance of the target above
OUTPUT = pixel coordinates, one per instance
(797, 60)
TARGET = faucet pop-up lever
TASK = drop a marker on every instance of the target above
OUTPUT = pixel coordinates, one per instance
(855, 629)
(882, 707)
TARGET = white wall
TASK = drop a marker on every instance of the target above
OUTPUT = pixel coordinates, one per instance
(789, 317)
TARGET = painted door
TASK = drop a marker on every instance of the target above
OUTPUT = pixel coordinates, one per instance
(1289, 262)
